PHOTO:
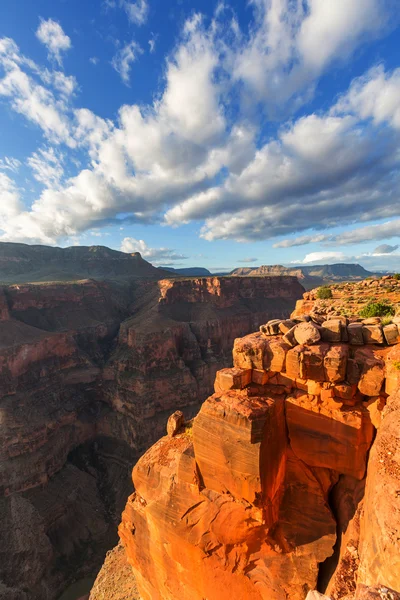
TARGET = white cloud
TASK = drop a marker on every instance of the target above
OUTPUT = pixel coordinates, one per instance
(51, 34)
(31, 99)
(47, 168)
(374, 96)
(152, 43)
(320, 257)
(155, 255)
(94, 60)
(10, 204)
(8, 163)
(196, 154)
(248, 260)
(122, 61)
(137, 11)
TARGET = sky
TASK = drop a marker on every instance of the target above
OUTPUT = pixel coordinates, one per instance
(203, 133)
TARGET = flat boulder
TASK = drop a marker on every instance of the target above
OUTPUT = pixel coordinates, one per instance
(332, 330)
(391, 334)
(373, 334)
(307, 333)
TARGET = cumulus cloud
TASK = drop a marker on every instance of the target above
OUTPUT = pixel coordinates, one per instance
(122, 61)
(52, 35)
(10, 202)
(28, 97)
(196, 153)
(46, 165)
(155, 255)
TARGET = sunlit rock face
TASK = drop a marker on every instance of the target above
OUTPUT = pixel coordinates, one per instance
(89, 373)
(260, 496)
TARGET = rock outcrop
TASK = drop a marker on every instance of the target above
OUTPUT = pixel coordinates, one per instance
(89, 373)
(255, 496)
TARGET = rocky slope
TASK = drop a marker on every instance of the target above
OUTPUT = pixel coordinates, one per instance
(22, 263)
(89, 373)
(277, 486)
(349, 298)
(309, 276)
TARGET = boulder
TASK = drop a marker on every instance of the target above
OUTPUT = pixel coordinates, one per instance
(372, 321)
(307, 333)
(285, 326)
(391, 334)
(275, 355)
(373, 334)
(372, 370)
(232, 379)
(332, 330)
(248, 351)
(355, 334)
(271, 328)
(289, 337)
(317, 596)
(175, 422)
(335, 363)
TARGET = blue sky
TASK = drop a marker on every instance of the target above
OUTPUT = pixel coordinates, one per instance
(201, 133)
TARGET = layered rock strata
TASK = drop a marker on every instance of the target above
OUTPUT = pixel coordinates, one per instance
(241, 500)
(89, 373)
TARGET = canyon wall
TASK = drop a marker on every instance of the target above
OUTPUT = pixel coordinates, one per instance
(89, 373)
(261, 495)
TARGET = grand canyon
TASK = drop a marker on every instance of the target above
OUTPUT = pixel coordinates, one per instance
(90, 372)
(199, 300)
(270, 482)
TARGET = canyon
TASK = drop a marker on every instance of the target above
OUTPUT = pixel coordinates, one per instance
(285, 482)
(90, 371)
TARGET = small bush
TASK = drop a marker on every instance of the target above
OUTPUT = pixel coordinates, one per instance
(386, 320)
(324, 292)
(396, 276)
(377, 309)
(396, 364)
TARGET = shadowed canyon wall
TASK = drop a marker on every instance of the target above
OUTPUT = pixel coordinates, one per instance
(89, 373)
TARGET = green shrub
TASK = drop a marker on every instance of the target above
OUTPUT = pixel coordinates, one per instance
(396, 364)
(324, 292)
(396, 276)
(377, 309)
(386, 320)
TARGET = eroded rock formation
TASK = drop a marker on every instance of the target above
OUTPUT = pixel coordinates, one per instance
(89, 373)
(252, 498)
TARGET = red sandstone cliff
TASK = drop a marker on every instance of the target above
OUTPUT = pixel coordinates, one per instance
(89, 373)
(249, 498)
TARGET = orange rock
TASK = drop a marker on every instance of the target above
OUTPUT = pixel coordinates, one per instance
(175, 422)
(260, 377)
(228, 435)
(392, 364)
(335, 362)
(232, 379)
(372, 372)
(337, 439)
(379, 539)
